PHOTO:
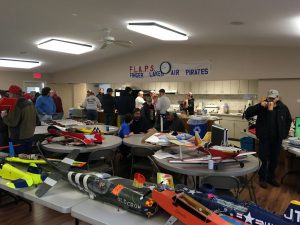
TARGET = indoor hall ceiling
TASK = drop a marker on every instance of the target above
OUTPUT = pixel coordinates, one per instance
(207, 22)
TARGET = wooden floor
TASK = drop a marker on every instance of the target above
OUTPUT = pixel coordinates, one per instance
(18, 214)
(272, 199)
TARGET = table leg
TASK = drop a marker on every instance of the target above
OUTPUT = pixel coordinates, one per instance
(248, 183)
(15, 200)
(289, 173)
(77, 221)
(197, 183)
(185, 179)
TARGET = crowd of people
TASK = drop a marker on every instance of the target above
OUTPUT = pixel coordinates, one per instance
(145, 111)
(18, 125)
(138, 116)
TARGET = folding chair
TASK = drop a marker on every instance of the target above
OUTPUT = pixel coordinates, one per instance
(101, 161)
(140, 160)
(224, 185)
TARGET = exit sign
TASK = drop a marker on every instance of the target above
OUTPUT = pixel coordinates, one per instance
(37, 75)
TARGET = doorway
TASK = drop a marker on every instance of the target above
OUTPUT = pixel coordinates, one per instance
(33, 87)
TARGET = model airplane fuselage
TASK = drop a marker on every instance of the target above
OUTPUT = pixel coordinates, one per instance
(222, 151)
(186, 209)
(85, 138)
(114, 190)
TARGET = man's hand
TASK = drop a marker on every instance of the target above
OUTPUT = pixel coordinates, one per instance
(3, 114)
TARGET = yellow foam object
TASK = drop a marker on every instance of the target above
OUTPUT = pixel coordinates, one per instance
(85, 130)
(36, 178)
(198, 140)
(27, 161)
(295, 202)
(10, 172)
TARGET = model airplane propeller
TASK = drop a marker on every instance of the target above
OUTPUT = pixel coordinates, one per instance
(108, 40)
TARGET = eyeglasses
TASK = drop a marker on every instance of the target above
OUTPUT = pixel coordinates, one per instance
(270, 99)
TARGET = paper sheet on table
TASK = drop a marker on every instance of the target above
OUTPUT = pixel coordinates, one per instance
(152, 139)
(148, 134)
(163, 155)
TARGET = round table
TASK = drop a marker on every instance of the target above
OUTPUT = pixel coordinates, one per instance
(110, 142)
(136, 142)
(102, 127)
(251, 164)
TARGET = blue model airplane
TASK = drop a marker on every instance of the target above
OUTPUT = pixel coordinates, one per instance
(247, 212)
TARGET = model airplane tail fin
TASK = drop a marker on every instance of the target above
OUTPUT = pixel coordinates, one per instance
(62, 167)
(292, 213)
(198, 140)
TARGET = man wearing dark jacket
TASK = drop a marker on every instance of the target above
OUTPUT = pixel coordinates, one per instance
(139, 124)
(21, 121)
(173, 123)
(272, 126)
(109, 106)
(125, 104)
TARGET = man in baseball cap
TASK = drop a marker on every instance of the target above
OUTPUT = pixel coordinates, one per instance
(272, 126)
(273, 93)
(21, 121)
(14, 90)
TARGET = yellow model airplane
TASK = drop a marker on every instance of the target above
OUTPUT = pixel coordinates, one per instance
(41, 161)
(19, 178)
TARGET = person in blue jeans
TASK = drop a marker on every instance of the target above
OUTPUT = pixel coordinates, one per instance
(125, 126)
(45, 105)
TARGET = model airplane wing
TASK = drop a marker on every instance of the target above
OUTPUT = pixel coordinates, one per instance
(63, 167)
(49, 182)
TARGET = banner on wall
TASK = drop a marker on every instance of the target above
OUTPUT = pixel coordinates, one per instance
(167, 68)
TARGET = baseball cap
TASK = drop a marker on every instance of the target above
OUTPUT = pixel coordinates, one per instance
(27, 96)
(14, 89)
(273, 93)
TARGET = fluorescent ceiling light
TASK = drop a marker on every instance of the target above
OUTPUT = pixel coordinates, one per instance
(65, 46)
(19, 63)
(158, 31)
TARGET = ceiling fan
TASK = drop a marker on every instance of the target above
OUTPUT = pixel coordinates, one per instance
(108, 40)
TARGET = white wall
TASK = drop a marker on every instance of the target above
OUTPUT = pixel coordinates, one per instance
(65, 91)
(231, 62)
(288, 90)
(8, 78)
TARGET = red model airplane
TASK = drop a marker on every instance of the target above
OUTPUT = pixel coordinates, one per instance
(92, 138)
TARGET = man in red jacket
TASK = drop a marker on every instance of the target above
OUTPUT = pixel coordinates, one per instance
(59, 114)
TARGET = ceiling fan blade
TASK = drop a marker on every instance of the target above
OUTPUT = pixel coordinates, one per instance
(104, 45)
(123, 42)
(126, 45)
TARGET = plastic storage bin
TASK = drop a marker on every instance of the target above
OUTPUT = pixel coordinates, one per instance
(198, 123)
(247, 143)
